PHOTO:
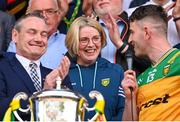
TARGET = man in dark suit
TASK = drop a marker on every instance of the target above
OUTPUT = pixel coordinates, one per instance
(30, 36)
(6, 24)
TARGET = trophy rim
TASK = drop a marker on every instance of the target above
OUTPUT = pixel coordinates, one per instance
(59, 93)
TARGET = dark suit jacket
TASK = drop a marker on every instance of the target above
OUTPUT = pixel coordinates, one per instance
(14, 79)
(3, 5)
(6, 24)
(136, 3)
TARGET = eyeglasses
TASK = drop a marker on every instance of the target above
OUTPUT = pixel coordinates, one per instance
(85, 40)
(48, 12)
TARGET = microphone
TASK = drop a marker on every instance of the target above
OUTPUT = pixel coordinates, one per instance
(129, 60)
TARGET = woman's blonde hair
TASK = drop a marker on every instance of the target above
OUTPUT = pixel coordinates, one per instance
(72, 37)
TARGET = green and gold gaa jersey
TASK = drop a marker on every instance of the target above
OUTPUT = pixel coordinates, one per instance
(159, 89)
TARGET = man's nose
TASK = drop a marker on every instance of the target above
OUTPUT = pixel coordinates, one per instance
(38, 37)
(44, 14)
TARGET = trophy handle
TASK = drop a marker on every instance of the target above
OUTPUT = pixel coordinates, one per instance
(19, 96)
(81, 109)
(98, 106)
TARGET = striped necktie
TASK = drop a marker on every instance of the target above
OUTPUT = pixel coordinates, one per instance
(34, 76)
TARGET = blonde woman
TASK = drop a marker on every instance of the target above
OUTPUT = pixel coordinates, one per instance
(88, 71)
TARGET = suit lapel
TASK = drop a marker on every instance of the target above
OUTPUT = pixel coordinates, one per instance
(22, 74)
(44, 72)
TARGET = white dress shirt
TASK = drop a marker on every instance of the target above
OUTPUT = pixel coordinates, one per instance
(25, 63)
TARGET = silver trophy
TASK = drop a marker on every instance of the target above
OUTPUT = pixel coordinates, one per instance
(60, 104)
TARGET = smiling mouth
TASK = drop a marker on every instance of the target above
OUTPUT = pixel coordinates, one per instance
(103, 4)
(37, 45)
(90, 51)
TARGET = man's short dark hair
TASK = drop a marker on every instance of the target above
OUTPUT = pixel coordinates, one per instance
(152, 11)
(17, 25)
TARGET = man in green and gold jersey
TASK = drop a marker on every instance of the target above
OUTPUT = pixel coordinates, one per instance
(156, 92)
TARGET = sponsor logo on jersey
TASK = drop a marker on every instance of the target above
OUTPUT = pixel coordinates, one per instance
(105, 82)
(156, 101)
(166, 69)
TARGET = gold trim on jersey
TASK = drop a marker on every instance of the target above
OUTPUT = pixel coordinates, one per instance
(164, 56)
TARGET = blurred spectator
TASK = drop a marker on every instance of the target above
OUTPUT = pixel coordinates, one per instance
(126, 4)
(73, 9)
(116, 49)
(114, 8)
(6, 24)
(176, 18)
(3, 5)
(14, 7)
(17, 7)
(87, 7)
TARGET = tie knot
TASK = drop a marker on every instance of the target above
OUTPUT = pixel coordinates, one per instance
(33, 65)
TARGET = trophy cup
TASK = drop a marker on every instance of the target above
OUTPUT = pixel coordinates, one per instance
(60, 104)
